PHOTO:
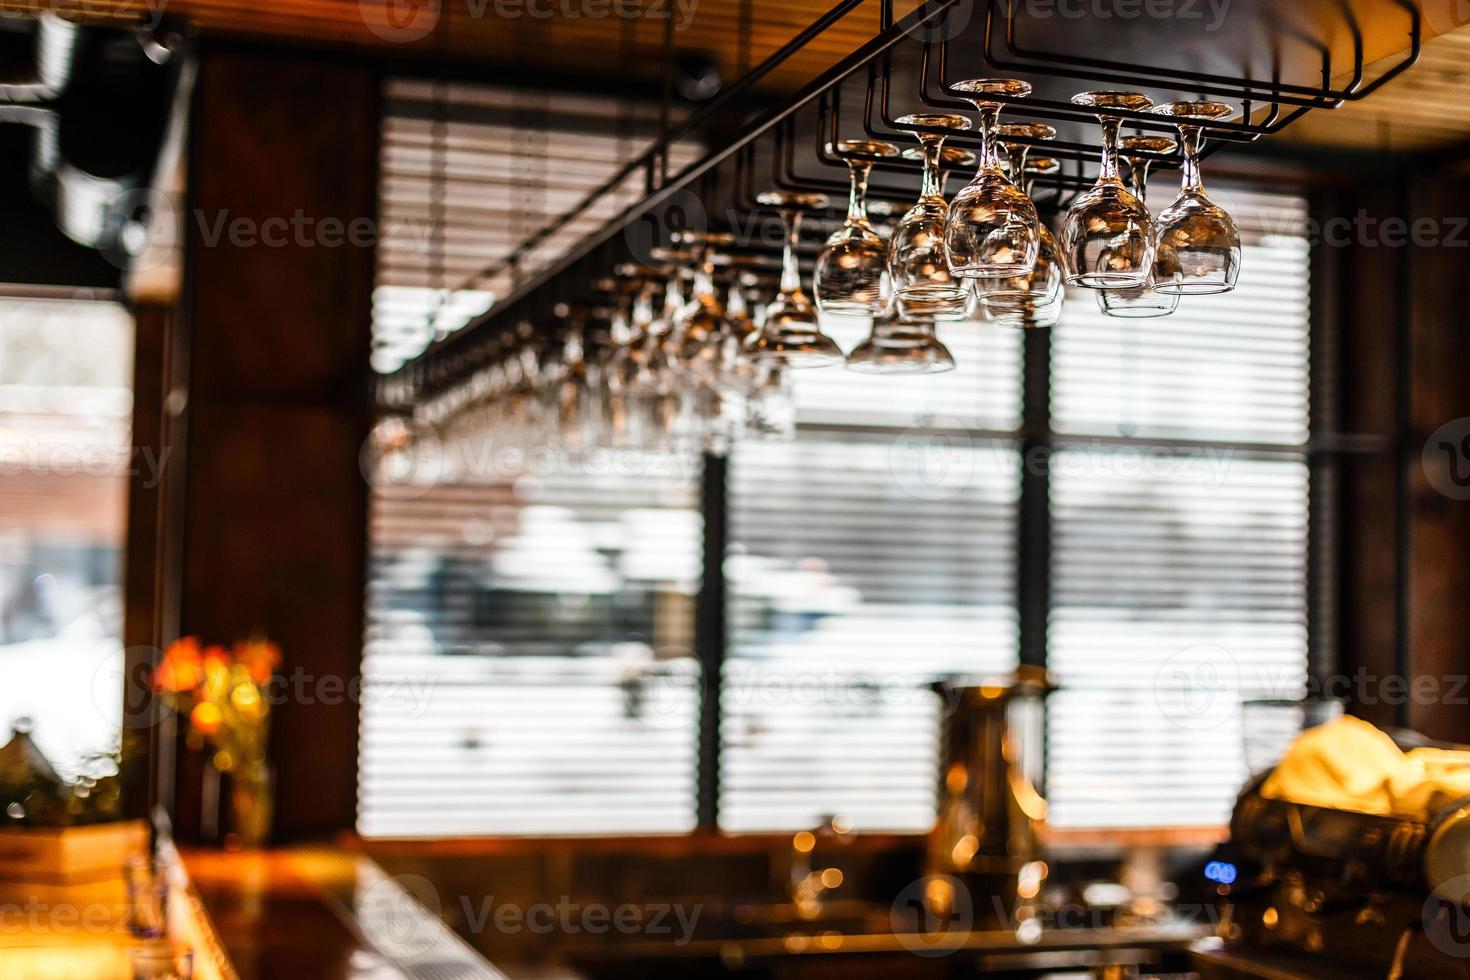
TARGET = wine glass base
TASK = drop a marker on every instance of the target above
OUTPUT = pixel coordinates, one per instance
(1110, 280)
(832, 308)
(1193, 288)
(1137, 312)
(1010, 270)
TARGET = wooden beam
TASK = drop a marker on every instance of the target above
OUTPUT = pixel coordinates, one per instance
(277, 316)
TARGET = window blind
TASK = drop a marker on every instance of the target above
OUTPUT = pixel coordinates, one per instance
(868, 558)
(527, 666)
(1179, 520)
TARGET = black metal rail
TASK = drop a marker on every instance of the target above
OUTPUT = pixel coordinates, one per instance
(788, 147)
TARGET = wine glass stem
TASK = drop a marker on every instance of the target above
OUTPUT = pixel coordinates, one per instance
(790, 271)
(1138, 172)
(1110, 127)
(704, 279)
(857, 199)
(1190, 137)
(1016, 155)
(933, 147)
(989, 116)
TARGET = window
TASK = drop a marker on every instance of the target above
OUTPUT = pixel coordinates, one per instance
(528, 663)
(65, 405)
(545, 606)
(1179, 536)
(871, 556)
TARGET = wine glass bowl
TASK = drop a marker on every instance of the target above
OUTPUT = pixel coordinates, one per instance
(791, 333)
(917, 264)
(851, 277)
(1108, 234)
(901, 344)
(1200, 241)
(993, 230)
(1044, 283)
(1143, 301)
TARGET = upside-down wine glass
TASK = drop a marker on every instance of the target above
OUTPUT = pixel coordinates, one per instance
(1034, 310)
(901, 344)
(852, 269)
(922, 282)
(1138, 302)
(993, 231)
(1108, 234)
(1043, 285)
(1199, 238)
(791, 333)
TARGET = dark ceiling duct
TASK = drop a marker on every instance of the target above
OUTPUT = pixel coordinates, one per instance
(94, 99)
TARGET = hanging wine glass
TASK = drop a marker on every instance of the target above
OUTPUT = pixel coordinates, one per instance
(922, 282)
(1198, 237)
(1041, 308)
(1108, 233)
(993, 231)
(852, 269)
(1138, 302)
(1044, 283)
(901, 344)
(791, 333)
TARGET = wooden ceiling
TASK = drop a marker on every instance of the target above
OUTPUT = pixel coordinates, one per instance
(1424, 108)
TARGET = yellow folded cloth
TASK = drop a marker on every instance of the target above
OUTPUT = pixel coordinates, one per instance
(1347, 764)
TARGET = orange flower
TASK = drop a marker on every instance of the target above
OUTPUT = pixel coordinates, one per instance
(206, 718)
(181, 669)
(260, 659)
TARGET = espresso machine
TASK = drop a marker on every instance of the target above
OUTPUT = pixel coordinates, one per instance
(1319, 892)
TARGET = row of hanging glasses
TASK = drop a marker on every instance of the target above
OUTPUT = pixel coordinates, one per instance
(692, 351)
(666, 363)
(989, 246)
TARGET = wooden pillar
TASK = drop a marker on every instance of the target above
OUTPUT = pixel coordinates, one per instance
(1405, 540)
(1438, 499)
(279, 263)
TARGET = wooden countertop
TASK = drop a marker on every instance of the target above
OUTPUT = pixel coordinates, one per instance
(324, 914)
